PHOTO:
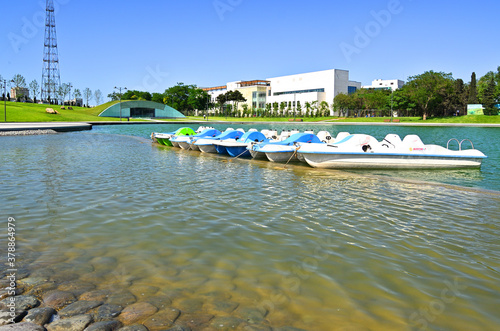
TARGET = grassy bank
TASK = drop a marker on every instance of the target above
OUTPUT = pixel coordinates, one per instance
(28, 112)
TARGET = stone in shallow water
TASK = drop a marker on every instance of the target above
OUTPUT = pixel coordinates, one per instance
(40, 289)
(77, 287)
(22, 302)
(122, 298)
(40, 316)
(137, 312)
(141, 291)
(251, 315)
(256, 328)
(107, 311)
(25, 326)
(226, 323)
(289, 328)
(6, 316)
(179, 328)
(79, 308)
(104, 326)
(222, 306)
(75, 323)
(33, 281)
(96, 295)
(159, 301)
(58, 299)
(162, 319)
(133, 328)
(194, 321)
(190, 305)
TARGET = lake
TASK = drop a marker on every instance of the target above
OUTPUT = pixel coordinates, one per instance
(252, 245)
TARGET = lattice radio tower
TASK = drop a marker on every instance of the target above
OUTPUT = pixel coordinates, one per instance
(51, 77)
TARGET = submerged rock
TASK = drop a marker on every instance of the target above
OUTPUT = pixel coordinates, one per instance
(133, 328)
(226, 323)
(58, 299)
(123, 298)
(107, 311)
(96, 295)
(194, 321)
(162, 319)
(104, 326)
(40, 316)
(75, 323)
(25, 326)
(79, 308)
(137, 312)
(6, 316)
(22, 302)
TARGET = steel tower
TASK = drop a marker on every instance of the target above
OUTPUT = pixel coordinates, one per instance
(51, 77)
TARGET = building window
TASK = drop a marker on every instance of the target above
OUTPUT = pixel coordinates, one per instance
(269, 93)
(351, 89)
(300, 91)
(254, 95)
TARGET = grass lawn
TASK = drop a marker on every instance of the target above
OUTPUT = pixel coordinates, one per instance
(28, 112)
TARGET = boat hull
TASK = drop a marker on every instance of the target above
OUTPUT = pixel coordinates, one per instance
(258, 155)
(238, 151)
(384, 161)
(282, 157)
(207, 148)
(184, 145)
(221, 149)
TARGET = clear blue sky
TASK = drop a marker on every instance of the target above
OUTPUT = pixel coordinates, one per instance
(152, 45)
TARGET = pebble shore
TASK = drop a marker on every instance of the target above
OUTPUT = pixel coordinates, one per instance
(26, 132)
(61, 296)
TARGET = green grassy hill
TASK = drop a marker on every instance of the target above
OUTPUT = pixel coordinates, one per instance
(29, 112)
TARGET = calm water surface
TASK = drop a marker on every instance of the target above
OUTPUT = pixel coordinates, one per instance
(267, 246)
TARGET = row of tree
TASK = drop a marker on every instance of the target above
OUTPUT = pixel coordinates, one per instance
(62, 92)
(431, 94)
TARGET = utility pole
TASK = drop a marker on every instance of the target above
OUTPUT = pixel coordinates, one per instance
(51, 77)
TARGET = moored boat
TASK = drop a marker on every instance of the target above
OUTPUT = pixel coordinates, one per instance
(184, 142)
(360, 151)
(207, 145)
(286, 150)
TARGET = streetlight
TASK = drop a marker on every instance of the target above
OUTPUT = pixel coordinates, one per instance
(120, 96)
(5, 99)
(70, 87)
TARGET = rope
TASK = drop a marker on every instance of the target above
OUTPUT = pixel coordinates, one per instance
(291, 157)
(238, 155)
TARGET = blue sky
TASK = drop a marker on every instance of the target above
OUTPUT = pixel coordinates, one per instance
(152, 45)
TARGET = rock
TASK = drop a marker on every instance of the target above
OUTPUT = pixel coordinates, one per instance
(75, 323)
(40, 316)
(159, 301)
(194, 321)
(51, 111)
(251, 315)
(123, 298)
(6, 293)
(77, 287)
(223, 306)
(162, 319)
(104, 326)
(179, 328)
(143, 290)
(40, 289)
(289, 328)
(191, 305)
(257, 328)
(25, 326)
(107, 311)
(133, 328)
(226, 323)
(22, 302)
(97, 295)
(137, 312)
(6, 317)
(79, 308)
(58, 299)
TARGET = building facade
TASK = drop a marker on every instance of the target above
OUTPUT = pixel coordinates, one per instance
(19, 92)
(303, 88)
(394, 84)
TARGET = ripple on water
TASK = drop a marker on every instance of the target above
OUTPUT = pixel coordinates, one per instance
(245, 239)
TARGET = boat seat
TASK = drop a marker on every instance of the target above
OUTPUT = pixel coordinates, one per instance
(391, 141)
(412, 140)
(341, 135)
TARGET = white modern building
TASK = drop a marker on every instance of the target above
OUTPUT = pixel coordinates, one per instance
(394, 84)
(307, 87)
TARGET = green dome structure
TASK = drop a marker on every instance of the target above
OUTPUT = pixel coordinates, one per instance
(141, 108)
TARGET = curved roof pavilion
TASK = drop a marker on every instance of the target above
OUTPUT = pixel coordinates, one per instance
(141, 108)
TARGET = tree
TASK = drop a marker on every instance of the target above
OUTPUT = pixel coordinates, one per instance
(98, 97)
(428, 91)
(34, 89)
(473, 90)
(489, 98)
(78, 93)
(87, 94)
(460, 97)
(157, 97)
(66, 89)
(324, 108)
(113, 96)
(18, 81)
(198, 99)
(235, 97)
(177, 97)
